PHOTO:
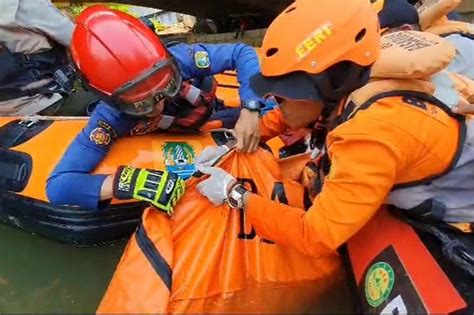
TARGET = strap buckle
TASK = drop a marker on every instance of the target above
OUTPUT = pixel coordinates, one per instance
(28, 123)
(34, 73)
(25, 58)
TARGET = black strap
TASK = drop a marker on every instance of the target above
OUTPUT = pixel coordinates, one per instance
(429, 211)
(159, 264)
(453, 248)
(18, 70)
(17, 132)
(61, 83)
(15, 170)
(9, 171)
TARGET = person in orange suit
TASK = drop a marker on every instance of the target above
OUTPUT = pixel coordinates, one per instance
(389, 141)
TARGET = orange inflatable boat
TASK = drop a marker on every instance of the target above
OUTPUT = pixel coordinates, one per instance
(207, 258)
(30, 149)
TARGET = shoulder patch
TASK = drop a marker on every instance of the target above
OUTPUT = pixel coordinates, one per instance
(108, 127)
(201, 59)
(100, 136)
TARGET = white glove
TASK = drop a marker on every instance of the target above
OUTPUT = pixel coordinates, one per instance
(210, 155)
(217, 186)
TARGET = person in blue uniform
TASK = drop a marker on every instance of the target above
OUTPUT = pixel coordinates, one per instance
(144, 87)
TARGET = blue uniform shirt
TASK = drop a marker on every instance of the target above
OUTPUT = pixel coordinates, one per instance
(72, 183)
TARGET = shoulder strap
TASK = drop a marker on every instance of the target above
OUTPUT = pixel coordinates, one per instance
(378, 89)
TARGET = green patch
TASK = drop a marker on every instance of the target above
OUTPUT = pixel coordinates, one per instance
(379, 283)
(201, 58)
(179, 158)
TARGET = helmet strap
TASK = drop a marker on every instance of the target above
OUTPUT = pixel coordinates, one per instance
(334, 85)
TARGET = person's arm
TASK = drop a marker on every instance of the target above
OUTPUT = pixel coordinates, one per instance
(44, 17)
(363, 171)
(199, 60)
(208, 59)
(71, 182)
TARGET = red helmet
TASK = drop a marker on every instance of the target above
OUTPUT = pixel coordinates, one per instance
(123, 61)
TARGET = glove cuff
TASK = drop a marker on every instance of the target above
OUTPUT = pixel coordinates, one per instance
(124, 182)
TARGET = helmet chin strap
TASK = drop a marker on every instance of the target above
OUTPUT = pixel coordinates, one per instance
(320, 127)
(334, 85)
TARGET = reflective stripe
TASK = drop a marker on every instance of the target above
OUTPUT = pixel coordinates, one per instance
(192, 95)
(165, 122)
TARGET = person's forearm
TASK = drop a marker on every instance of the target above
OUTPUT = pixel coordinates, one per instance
(107, 189)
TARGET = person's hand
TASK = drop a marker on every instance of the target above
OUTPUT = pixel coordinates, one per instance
(216, 188)
(247, 131)
(162, 189)
(210, 155)
(463, 107)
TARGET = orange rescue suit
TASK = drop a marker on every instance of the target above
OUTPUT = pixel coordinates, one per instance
(396, 140)
(389, 143)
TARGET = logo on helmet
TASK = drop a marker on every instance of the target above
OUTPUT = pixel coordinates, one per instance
(315, 39)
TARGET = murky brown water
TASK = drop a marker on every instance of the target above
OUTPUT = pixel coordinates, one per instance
(38, 275)
(42, 276)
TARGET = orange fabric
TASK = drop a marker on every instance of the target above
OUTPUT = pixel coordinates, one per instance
(145, 151)
(272, 124)
(413, 48)
(445, 27)
(228, 88)
(389, 143)
(134, 266)
(211, 125)
(218, 262)
(464, 86)
(433, 12)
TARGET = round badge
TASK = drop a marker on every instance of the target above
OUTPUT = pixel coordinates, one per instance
(379, 283)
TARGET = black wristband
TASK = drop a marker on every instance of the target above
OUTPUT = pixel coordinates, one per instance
(124, 182)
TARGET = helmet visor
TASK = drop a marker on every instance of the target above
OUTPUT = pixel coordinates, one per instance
(141, 95)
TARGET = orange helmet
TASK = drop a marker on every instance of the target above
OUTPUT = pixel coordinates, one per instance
(319, 50)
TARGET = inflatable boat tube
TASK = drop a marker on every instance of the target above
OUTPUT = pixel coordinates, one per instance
(29, 150)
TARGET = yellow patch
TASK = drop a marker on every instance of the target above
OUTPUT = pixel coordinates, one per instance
(314, 40)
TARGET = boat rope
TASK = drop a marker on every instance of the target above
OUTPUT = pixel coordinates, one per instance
(52, 118)
(455, 250)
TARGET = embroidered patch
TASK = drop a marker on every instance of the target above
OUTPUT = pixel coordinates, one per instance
(179, 158)
(100, 136)
(146, 126)
(108, 127)
(201, 58)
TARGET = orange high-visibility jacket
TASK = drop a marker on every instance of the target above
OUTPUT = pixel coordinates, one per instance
(395, 138)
